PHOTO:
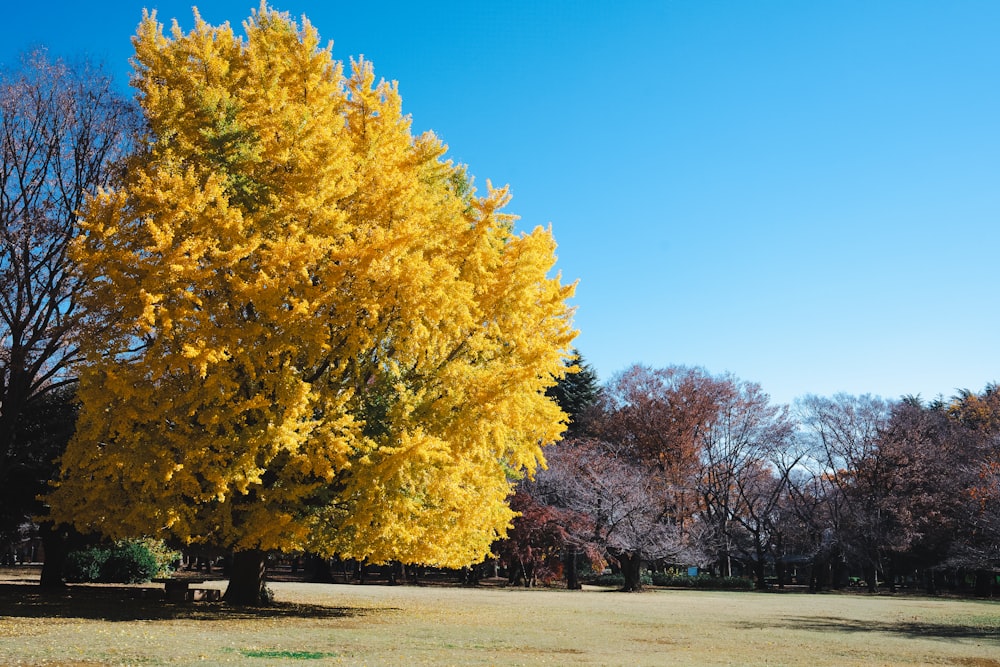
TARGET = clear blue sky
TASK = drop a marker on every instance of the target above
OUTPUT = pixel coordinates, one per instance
(804, 194)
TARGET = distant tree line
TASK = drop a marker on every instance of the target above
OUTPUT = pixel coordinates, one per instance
(676, 468)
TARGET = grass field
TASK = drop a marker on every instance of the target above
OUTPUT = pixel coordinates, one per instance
(320, 624)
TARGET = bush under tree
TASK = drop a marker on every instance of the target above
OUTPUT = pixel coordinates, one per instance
(124, 562)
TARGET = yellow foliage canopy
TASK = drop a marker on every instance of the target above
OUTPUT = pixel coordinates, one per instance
(308, 331)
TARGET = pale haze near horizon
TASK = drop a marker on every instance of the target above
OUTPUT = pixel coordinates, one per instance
(804, 195)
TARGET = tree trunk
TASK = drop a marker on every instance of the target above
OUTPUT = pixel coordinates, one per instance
(514, 572)
(759, 566)
(984, 584)
(528, 572)
(780, 567)
(837, 572)
(930, 580)
(760, 574)
(246, 583)
(13, 397)
(572, 580)
(56, 549)
(631, 565)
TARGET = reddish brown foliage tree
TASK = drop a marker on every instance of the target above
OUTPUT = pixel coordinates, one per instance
(657, 418)
(542, 534)
(930, 473)
(979, 543)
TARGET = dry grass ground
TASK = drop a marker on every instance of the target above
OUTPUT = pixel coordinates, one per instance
(316, 624)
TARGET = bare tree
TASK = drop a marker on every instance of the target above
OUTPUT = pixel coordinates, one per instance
(64, 131)
(626, 503)
(857, 473)
(746, 458)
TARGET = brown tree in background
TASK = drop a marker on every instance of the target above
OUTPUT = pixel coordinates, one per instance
(656, 418)
(746, 456)
(634, 478)
(936, 461)
(540, 537)
(979, 545)
(63, 132)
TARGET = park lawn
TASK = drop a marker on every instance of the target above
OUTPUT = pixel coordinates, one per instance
(320, 624)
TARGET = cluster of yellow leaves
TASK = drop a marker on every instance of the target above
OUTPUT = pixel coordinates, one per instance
(308, 331)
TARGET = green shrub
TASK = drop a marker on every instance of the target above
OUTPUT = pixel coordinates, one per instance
(166, 558)
(609, 579)
(85, 565)
(125, 562)
(675, 580)
(129, 562)
(618, 579)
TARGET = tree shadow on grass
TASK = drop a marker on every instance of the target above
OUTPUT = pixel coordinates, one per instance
(909, 629)
(124, 603)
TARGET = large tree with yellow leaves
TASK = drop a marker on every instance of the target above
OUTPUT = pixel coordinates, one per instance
(308, 331)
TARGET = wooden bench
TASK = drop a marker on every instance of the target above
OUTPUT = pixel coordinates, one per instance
(185, 590)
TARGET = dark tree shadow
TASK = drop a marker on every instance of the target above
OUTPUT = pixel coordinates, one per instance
(125, 603)
(909, 629)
